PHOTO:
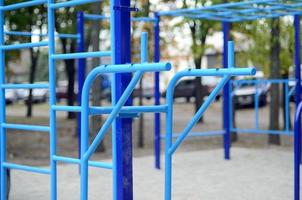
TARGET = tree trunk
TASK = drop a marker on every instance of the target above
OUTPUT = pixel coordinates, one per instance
(70, 73)
(274, 74)
(140, 142)
(96, 121)
(199, 89)
(33, 67)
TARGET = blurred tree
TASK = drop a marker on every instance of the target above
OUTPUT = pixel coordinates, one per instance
(275, 74)
(29, 20)
(200, 30)
(96, 121)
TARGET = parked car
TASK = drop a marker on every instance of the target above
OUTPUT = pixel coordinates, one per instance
(39, 95)
(61, 90)
(147, 90)
(186, 88)
(244, 91)
(10, 96)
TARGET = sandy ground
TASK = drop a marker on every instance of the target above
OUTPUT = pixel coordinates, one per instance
(263, 174)
(257, 170)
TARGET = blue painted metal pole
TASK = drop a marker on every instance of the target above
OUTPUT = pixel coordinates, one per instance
(122, 127)
(297, 61)
(226, 93)
(81, 70)
(52, 100)
(297, 143)
(3, 170)
(157, 93)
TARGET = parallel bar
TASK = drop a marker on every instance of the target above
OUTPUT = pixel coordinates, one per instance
(198, 114)
(26, 168)
(22, 5)
(129, 109)
(26, 127)
(23, 45)
(71, 3)
(130, 68)
(78, 161)
(107, 110)
(259, 131)
(80, 55)
(25, 86)
(198, 134)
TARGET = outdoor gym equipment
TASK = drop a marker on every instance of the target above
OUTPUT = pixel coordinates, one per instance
(121, 111)
(118, 111)
(228, 13)
(81, 19)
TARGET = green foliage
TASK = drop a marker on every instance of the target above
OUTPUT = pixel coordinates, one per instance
(257, 36)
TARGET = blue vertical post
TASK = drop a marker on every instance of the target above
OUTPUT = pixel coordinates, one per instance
(157, 93)
(297, 136)
(2, 110)
(81, 70)
(226, 93)
(52, 99)
(122, 127)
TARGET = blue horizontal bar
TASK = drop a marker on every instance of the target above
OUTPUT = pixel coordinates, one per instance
(80, 55)
(26, 127)
(94, 17)
(198, 134)
(219, 72)
(26, 168)
(66, 108)
(78, 161)
(23, 45)
(25, 86)
(22, 5)
(67, 35)
(129, 109)
(129, 68)
(261, 81)
(29, 34)
(259, 131)
(143, 19)
(107, 110)
(71, 3)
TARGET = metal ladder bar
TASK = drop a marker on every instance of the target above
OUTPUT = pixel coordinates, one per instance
(25, 86)
(26, 127)
(71, 3)
(22, 5)
(29, 34)
(26, 168)
(78, 161)
(80, 55)
(23, 46)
